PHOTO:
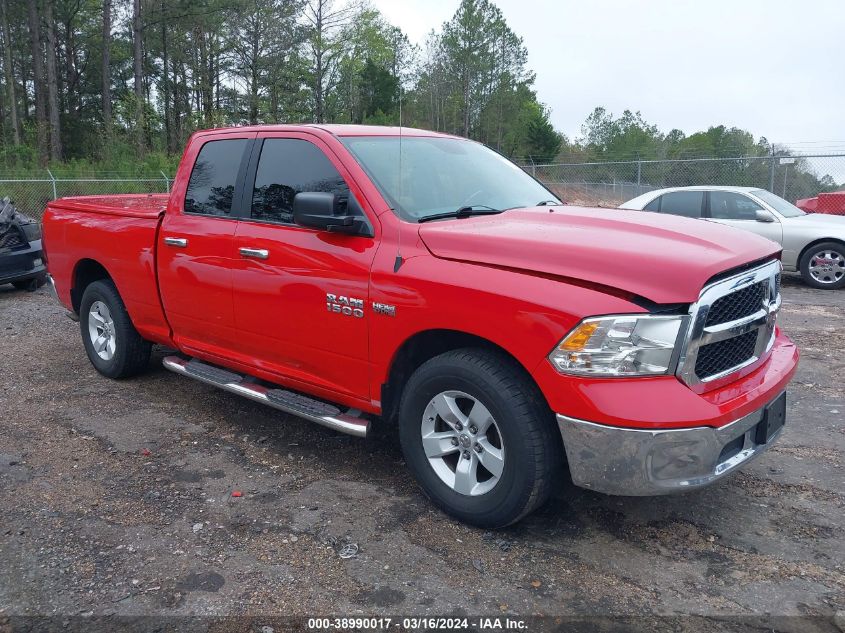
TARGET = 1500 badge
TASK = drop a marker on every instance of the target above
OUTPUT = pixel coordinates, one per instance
(347, 306)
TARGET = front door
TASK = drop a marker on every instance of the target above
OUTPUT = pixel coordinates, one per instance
(301, 295)
(735, 209)
(196, 248)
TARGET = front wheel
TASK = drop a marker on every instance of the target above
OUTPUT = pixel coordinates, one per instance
(112, 343)
(479, 437)
(823, 266)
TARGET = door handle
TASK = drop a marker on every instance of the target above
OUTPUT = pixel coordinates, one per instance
(255, 253)
(181, 242)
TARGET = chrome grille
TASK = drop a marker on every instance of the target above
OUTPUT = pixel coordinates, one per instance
(737, 304)
(716, 358)
(731, 326)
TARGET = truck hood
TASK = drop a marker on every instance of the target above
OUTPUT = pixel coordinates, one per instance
(664, 258)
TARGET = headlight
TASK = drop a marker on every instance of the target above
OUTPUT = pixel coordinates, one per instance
(32, 231)
(623, 345)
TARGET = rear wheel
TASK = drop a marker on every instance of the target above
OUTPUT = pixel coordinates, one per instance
(479, 437)
(112, 343)
(823, 266)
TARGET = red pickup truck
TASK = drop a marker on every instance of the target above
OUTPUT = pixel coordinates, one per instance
(345, 273)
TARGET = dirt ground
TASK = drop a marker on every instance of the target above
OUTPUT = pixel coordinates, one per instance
(117, 499)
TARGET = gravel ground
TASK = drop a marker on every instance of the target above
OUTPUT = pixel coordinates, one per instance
(117, 499)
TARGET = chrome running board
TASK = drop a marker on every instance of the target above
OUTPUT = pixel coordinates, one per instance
(291, 402)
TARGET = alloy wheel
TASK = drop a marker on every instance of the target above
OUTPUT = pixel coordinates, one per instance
(101, 330)
(463, 443)
(827, 266)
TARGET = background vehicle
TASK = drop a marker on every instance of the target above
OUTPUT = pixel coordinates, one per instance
(299, 267)
(832, 203)
(21, 258)
(813, 244)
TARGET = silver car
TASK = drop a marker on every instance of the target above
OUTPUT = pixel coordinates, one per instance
(813, 243)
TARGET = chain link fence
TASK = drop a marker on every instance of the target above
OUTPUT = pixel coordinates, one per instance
(609, 184)
(31, 194)
(606, 184)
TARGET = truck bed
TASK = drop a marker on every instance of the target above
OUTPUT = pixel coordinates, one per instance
(118, 233)
(135, 205)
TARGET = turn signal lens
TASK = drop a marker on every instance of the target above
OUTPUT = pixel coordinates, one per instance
(579, 337)
(623, 345)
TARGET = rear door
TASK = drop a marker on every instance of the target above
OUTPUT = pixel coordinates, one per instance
(689, 204)
(196, 250)
(738, 210)
(301, 295)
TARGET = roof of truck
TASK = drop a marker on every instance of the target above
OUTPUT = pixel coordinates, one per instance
(335, 129)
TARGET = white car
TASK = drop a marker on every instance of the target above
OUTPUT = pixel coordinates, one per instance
(813, 243)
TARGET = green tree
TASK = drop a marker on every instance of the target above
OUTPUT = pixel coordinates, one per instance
(542, 141)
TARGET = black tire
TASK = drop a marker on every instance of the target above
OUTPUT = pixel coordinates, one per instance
(806, 259)
(532, 446)
(30, 284)
(131, 353)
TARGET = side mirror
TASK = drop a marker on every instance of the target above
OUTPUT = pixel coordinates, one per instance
(319, 210)
(761, 215)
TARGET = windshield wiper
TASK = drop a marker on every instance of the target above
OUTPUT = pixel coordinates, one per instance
(542, 203)
(463, 212)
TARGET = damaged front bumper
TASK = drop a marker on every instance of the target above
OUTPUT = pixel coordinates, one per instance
(22, 264)
(637, 462)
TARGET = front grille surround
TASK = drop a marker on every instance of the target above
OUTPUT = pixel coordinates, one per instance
(13, 239)
(741, 309)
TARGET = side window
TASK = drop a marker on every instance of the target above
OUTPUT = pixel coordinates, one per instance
(727, 205)
(654, 205)
(685, 203)
(288, 167)
(212, 183)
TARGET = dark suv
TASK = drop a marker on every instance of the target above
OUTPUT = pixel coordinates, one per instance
(21, 257)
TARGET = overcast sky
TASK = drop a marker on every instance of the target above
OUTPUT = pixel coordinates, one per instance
(773, 67)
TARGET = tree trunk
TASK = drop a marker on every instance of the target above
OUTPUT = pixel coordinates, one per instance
(318, 75)
(253, 85)
(53, 86)
(106, 72)
(204, 88)
(217, 74)
(176, 117)
(38, 81)
(137, 38)
(10, 77)
(71, 88)
(165, 82)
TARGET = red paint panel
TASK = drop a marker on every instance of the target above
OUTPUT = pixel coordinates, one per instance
(123, 245)
(196, 281)
(280, 303)
(664, 258)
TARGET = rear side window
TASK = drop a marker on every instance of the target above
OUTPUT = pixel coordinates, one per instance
(212, 183)
(685, 203)
(654, 205)
(288, 167)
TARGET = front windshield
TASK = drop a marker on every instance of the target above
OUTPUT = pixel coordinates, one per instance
(780, 205)
(442, 175)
